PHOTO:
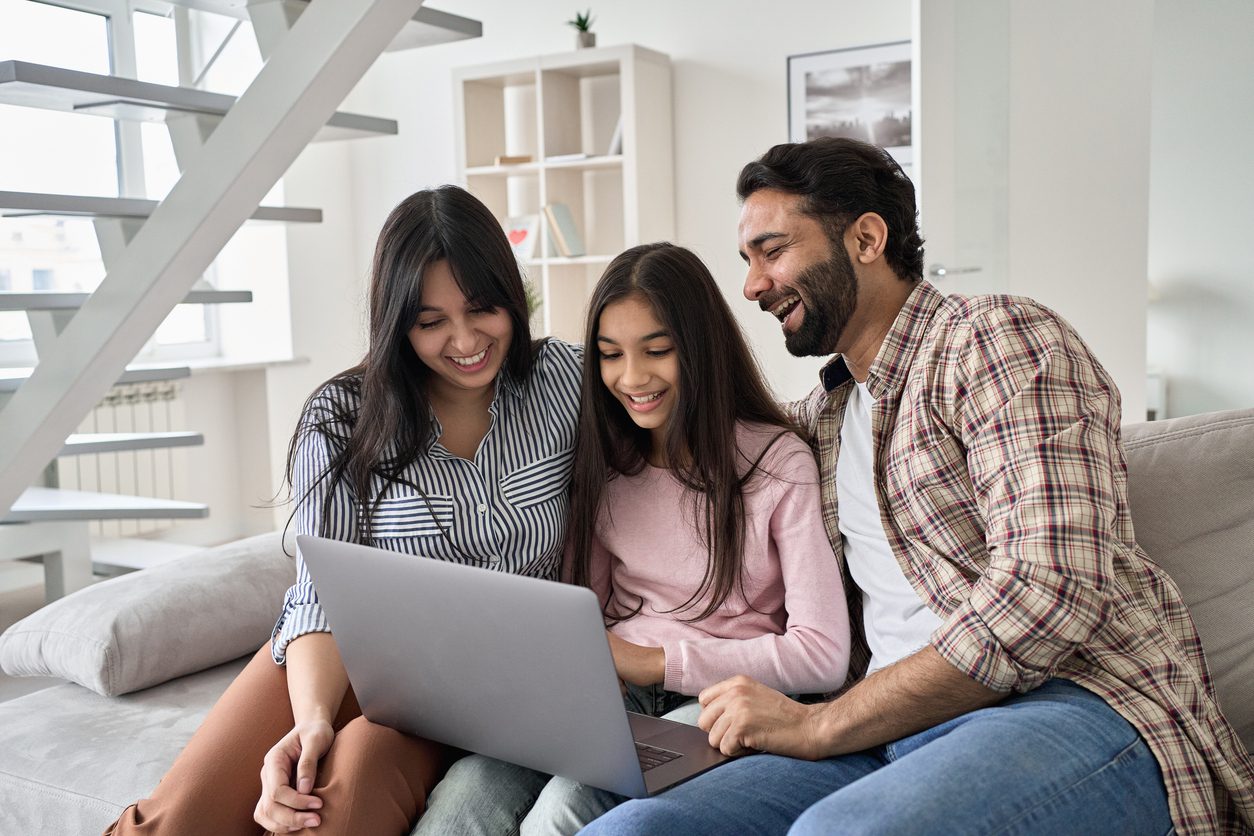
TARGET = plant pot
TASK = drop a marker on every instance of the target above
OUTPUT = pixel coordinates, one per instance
(585, 39)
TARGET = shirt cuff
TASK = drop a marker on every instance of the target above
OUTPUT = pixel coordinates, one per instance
(674, 679)
(294, 623)
(1016, 628)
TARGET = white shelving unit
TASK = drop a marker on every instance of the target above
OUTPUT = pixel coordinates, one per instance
(561, 111)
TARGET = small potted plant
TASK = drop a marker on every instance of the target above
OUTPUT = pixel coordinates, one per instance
(582, 23)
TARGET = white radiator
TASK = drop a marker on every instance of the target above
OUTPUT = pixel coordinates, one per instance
(159, 473)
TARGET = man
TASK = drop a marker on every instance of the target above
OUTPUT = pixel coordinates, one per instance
(1030, 669)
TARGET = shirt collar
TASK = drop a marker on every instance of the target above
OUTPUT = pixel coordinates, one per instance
(505, 382)
(888, 371)
(506, 386)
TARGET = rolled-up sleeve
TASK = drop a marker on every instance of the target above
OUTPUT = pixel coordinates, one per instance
(1039, 419)
(319, 511)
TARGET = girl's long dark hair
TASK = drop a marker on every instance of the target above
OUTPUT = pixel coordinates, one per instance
(372, 444)
(719, 384)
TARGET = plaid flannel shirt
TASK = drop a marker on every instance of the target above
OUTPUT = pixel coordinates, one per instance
(1002, 485)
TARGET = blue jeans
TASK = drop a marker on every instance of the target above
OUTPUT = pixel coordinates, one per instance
(1055, 760)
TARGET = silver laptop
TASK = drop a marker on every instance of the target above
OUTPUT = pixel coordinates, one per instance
(511, 667)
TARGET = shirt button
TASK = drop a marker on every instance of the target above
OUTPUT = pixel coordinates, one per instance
(483, 508)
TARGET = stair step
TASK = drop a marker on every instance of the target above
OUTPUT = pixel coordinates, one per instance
(135, 552)
(81, 443)
(427, 27)
(48, 504)
(56, 88)
(11, 379)
(12, 300)
(33, 203)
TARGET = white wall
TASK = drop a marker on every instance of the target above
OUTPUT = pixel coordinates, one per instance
(1079, 173)
(1201, 205)
(729, 100)
(730, 87)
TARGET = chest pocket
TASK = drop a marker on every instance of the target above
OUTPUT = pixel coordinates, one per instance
(410, 515)
(539, 481)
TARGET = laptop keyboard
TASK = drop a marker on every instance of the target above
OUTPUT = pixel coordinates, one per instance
(652, 756)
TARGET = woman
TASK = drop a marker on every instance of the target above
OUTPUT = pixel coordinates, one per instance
(695, 510)
(452, 439)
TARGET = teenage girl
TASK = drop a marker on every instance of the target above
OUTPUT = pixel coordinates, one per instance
(695, 510)
(452, 439)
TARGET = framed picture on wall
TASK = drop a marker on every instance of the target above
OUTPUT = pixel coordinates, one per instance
(863, 93)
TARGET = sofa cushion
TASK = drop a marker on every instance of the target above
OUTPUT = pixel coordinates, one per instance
(73, 760)
(148, 627)
(1191, 490)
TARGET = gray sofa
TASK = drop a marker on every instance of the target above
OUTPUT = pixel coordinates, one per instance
(147, 654)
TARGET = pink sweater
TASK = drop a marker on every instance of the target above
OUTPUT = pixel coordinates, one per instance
(790, 630)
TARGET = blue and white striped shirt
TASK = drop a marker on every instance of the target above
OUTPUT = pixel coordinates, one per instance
(504, 510)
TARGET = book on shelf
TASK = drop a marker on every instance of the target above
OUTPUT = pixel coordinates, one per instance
(564, 158)
(616, 139)
(563, 230)
(511, 159)
(522, 232)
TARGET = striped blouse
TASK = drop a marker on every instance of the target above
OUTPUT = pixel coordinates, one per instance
(505, 510)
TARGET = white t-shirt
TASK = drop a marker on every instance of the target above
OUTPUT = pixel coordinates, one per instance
(896, 621)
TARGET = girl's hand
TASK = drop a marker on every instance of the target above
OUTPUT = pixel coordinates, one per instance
(636, 663)
(282, 809)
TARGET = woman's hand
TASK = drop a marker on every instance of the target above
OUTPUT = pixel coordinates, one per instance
(636, 663)
(281, 808)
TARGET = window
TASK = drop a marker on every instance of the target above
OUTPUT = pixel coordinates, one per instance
(43, 151)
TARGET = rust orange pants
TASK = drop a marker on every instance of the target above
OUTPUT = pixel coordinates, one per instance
(372, 780)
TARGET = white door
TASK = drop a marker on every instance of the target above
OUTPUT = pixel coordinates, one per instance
(961, 139)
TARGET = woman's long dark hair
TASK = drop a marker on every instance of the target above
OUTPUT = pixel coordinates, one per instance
(719, 384)
(390, 427)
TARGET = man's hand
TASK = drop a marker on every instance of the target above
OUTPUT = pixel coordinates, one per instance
(636, 663)
(282, 809)
(742, 715)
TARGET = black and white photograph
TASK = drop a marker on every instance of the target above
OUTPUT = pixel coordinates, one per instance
(863, 93)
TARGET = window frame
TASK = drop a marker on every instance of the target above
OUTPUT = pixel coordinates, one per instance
(128, 144)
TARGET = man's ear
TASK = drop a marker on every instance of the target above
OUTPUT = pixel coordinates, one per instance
(866, 238)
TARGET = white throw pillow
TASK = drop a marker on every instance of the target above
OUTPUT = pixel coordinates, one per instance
(145, 628)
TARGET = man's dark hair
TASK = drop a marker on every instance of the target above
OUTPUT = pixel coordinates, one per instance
(841, 179)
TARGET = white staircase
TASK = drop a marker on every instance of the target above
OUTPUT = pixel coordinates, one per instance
(231, 151)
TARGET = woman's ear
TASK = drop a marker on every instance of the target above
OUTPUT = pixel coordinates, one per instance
(866, 238)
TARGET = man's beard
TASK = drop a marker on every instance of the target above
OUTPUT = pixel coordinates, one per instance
(830, 294)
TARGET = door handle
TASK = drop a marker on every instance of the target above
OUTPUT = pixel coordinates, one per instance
(940, 271)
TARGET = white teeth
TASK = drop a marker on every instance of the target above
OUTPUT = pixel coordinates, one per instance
(470, 361)
(645, 398)
(784, 304)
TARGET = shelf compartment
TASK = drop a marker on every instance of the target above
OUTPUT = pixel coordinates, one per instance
(515, 170)
(607, 161)
(558, 261)
(55, 88)
(582, 105)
